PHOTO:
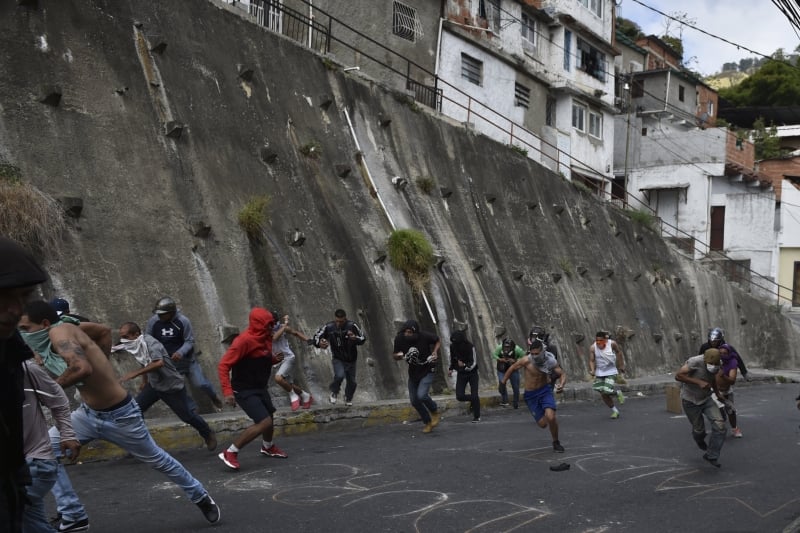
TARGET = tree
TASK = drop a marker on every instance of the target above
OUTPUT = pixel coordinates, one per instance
(629, 28)
(765, 140)
(729, 67)
(774, 84)
(674, 42)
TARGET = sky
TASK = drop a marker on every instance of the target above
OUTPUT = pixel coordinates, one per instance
(754, 24)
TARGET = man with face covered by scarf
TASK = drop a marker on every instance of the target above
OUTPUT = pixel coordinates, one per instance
(698, 378)
(540, 365)
(420, 349)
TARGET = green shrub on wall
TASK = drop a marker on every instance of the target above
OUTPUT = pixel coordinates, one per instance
(410, 252)
(253, 216)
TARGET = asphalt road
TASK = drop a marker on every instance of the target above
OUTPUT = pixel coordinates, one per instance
(640, 473)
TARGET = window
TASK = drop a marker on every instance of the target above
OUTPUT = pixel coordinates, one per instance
(591, 60)
(681, 93)
(550, 111)
(595, 6)
(710, 108)
(490, 10)
(404, 21)
(578, 117)
(595, 124)
(522, 96)
(528, 30)
(637, 89)
(471, 69)
(567, 48)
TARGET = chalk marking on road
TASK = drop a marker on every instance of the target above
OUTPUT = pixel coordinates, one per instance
(683, 484)
(442, 497)
(753, 509)
(492, 524)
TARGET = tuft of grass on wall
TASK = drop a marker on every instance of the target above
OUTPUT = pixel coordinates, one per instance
(519, 149)
(311, 150)
(29, 216)
(411, 253)
(426, 184)
(642, 217)
(253, 216)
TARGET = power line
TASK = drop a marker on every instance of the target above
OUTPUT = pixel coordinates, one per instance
(737, 45)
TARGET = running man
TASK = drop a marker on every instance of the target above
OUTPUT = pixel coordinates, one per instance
(539, 365)
(606, 361)
(283, 377)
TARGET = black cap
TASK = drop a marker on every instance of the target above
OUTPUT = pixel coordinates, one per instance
(18, 268)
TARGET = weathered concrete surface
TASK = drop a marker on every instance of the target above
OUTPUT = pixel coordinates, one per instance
(518, 244)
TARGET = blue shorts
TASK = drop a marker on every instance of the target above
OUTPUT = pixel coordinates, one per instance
(256, 404)
(540, 399)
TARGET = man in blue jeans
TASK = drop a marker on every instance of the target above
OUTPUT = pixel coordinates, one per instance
(108, 412)
(343, 337)
(41, 389)
(171, 328)
(420, 349)
(161, 380)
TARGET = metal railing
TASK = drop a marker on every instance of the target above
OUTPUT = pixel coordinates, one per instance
(319, 37)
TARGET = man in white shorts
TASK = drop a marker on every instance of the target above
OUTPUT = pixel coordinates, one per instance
(283, 377)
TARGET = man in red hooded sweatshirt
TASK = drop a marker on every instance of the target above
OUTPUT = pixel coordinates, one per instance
(244, 373)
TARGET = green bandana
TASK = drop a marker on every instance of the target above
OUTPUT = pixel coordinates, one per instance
(39, 342)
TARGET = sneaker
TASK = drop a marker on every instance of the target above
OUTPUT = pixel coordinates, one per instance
(503, 404)
(210, 509)
(435, 419)
(77, 525)
(737, 433)
(348, 403)
(296, 403)
(231, 459)
(428, 428)
(307, 404)
(620, 397)
(273, 451)
(557, 447)
(211, 442)
(333, 397)
(713, 462)
(614, 414)
(476, 420)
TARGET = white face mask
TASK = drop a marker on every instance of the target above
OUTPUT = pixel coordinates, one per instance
(712, 368)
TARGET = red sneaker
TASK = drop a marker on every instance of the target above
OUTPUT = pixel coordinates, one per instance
(307, 405)
(231, 459)
(296, 404)
(273, 451)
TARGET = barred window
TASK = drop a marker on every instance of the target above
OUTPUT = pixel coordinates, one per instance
(522, 96)
(471, 69)
(404, 21)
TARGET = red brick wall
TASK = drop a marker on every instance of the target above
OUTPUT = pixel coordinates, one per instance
(776, 169)
(746, 156)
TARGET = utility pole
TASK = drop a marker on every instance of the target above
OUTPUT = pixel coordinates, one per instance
(627, 89)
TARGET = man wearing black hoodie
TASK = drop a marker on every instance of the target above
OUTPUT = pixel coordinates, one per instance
(420, 349)
(19, 276)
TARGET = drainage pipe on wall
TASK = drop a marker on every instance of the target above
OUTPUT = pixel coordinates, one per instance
(371, 183)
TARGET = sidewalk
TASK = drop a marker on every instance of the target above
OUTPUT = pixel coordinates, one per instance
(172, 434)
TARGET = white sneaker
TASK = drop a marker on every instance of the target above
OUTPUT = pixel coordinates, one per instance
(333, 397)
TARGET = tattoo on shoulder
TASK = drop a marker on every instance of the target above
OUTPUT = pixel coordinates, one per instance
(69, 347)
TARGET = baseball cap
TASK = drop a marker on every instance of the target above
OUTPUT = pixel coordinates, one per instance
(60, 305)
(18, 268)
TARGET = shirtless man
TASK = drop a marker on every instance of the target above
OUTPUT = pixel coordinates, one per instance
(105, 402)
(539, 366)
